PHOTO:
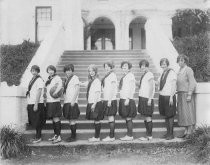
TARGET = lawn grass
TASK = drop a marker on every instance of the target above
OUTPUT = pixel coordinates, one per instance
(172, 153)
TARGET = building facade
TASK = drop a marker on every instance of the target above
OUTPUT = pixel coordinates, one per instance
(90, 24)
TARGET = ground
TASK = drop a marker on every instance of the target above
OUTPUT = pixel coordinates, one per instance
(134, 153)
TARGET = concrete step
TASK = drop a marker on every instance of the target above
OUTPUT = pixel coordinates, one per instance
(83, 91)
(80, 68)
(100, 61)
(84, 101)
(86, 124)
(82, 94)
(88, 133)
(82, 107)
(155, 116)
(84, 143)
(84, 76)
(103, 59)
(98, 52)
(102, 73)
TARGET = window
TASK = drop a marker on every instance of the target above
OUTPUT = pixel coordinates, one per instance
(43, 20)
(44, 13)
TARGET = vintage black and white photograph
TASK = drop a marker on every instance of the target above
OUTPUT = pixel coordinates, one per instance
(109, 82)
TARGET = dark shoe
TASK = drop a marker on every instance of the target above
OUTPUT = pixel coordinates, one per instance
(170, 137)
(70, 139)
(182, 136)
(165, 136)
(187, 137)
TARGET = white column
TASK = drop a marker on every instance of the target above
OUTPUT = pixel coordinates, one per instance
(118, 40)
(89, 43)
(148, 31)
(73, 25)
(166, 23)
(125, 37)
(122, 33)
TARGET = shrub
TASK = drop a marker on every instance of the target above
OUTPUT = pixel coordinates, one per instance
(13, 143)
(199, 144)
(14, 60)
(190, 22)
(197, 49)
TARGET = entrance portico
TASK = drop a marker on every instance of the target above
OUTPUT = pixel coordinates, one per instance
(120, 30)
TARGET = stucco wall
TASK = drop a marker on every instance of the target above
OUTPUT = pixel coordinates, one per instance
(19, 19)
(13, 106)
(203, 104)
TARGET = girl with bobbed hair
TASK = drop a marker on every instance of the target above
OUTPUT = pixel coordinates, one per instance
(146, 95)
(94, 109)
(53, 106)
(35, 103)
(70, 108)
(109, 87)
(167, 97)
(127, 107)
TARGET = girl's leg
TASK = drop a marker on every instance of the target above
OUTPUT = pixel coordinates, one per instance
(167, 127)
(129, 123)
(57, 129)
(38, 134)
(97, 128)
(112, 126)
(171, 128)
(73, 128)
(150, 126)
(57, 122)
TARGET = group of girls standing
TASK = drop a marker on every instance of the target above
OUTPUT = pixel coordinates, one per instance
(100, 105)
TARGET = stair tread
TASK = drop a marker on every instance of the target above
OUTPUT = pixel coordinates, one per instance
(106, 121)
(92, 130)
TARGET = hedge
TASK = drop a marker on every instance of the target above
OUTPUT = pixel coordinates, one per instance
(14, 60)
(197, 48)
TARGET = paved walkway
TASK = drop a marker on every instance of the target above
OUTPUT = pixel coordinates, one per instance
(85, 142)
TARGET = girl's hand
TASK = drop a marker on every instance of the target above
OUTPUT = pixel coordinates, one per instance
(35, 107)
(171, 101)
(126, 102)
(189, 97)
(149, 102)
(109, 103)
(72, 104)
(93, 107)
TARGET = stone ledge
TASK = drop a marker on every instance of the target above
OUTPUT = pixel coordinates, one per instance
(203, 88)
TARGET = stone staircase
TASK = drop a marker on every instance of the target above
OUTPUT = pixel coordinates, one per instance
(81, 61)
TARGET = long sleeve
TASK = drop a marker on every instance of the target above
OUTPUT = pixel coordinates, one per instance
(191, 80)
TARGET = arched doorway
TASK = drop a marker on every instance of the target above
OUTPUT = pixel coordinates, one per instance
(137, 35)
(102, 34)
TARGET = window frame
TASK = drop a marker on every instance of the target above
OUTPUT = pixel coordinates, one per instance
(36, 19)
